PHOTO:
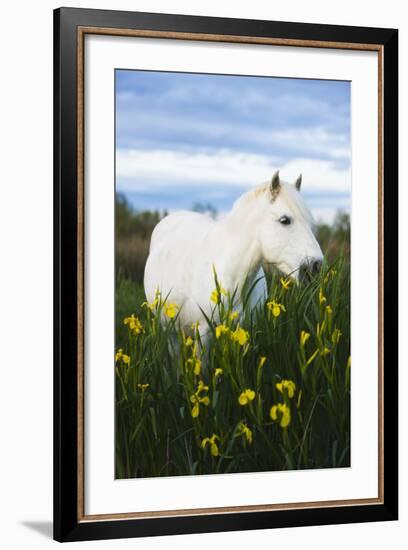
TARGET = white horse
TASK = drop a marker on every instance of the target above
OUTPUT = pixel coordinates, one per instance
(267, 225)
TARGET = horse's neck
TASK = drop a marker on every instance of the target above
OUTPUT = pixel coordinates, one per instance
(242, 251)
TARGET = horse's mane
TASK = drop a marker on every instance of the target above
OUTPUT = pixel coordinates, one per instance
(288, 192)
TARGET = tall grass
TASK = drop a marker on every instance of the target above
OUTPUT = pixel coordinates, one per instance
(270, 390)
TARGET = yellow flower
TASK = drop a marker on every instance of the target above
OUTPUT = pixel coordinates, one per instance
(244, 430)
(275, 308)
(201, 387)
(286, 386)
(197, 367)
(240, 335)
(195, 411)
(195, 362)
(304, 337)
(220, 329)
(205, 400)
(322, 298)
(152, 305)
(332, 273)
(234, 315)
(324, 352)
(262, 360)
(285, 283)
(143, 387)
(336, 336)
(188, 342)
(216, 295)
(198, 400)
(281, 412)
(211, 441)
(170, 310)
(122, 356)
(134, 324)
(217, 372)
(246, 396)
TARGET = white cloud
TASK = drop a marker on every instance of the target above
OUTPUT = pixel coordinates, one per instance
(254, 98)
(138, 169)
(315, 140)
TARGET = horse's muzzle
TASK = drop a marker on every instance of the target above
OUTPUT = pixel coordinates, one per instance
(309, 270)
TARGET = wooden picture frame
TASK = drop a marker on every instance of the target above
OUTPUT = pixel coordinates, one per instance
(70, 28)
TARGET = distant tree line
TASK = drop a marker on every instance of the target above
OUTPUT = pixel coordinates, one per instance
(133, 230)
(334, 239)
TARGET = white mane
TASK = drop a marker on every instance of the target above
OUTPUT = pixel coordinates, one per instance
(288, 193)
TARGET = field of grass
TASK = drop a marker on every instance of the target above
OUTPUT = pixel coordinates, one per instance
(270, 392)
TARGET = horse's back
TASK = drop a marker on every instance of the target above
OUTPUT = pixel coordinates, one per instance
(174, 245)
(179, 228)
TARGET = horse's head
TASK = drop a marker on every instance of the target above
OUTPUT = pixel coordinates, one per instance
(286, 230)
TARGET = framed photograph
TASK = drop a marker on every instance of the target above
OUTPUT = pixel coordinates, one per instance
(225, 274)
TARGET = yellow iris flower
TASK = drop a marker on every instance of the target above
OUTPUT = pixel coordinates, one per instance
(336, 336)
(246, 397)
(188, 342)
(275, 308)
(212, 442)
(244, 430)
(331, 274)
(216, 295)
(286, 386)
(220, 329)
(122, 356)
(198, 400)
(134, 324)
(304, 337)
(195, 362)
(285, 283)
(281, 412)
(322, 298)
(240, 335)
(170, 310)
(152, 305)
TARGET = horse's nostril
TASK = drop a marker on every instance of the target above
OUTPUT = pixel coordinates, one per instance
(316, 266)
(309, 269)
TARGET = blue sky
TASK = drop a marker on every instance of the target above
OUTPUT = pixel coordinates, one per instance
(184, 138)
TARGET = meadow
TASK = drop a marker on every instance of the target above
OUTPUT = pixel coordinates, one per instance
(270, 391)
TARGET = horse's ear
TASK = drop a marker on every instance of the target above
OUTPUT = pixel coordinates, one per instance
(275, 184)
(298, 182)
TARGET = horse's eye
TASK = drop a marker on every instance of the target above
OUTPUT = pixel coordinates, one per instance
(285, 220)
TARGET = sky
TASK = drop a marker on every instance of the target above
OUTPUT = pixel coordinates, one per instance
(185, 138)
